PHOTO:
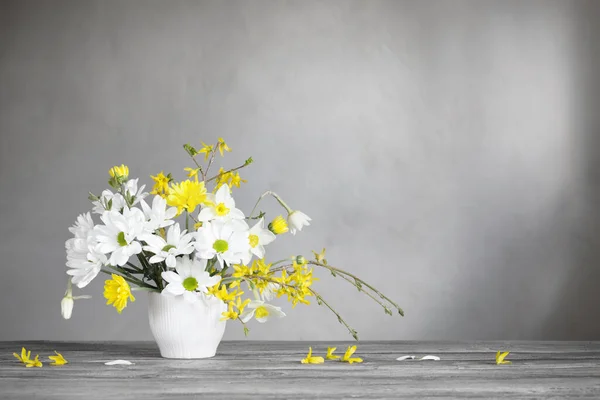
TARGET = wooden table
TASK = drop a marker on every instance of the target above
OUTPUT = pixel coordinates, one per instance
(272, 370)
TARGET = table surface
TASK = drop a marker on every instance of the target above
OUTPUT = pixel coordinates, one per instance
(272, 370)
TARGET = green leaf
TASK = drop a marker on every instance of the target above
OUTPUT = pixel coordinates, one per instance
(387, 311)
(249, 161)
(246, 331)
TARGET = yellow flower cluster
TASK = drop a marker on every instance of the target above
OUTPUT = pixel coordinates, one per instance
(296, 285)
(233, 299)
(259, 273)
(228, 178)
(161, 184)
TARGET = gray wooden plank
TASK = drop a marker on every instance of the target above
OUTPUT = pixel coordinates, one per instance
(272, 370)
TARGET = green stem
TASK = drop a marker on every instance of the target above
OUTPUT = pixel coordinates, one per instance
(342, 272)
(127, 278)
(320, 300)
(276, 196)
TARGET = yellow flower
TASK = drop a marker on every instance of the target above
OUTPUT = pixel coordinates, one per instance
(161, 184)
(34, 363)
(348, 356)
(206, 149)
(236, 179)
(121, 171)
(25, 358)
(229, 314)
(221, 145)
(192, 172)
(310, 359)
(320, 257)
(223, 178)
(278, 226)
(330, 355)
(186, 195)
(500, 358)
(58, 359)
(241, 271)
(117, 292)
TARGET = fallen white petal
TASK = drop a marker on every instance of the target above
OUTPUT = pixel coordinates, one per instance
(434, 358)
(119, 362)
(405, 358)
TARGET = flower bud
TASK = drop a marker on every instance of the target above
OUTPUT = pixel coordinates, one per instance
(300, 260)
(66, 306)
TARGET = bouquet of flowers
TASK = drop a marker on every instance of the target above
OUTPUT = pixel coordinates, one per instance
(215, 250)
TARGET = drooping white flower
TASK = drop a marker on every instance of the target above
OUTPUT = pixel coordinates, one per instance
(189, 279)
(258, 237)
(159, 216)
(119, 233)
(82, 258)
(131, 190)
(226, 240)
(177, 243)
(221, 206)
(108, 201)
(297, 220)
(66, 304)
(261, 311)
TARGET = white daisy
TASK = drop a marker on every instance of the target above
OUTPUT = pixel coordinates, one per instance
(159, 216)
(119, 233)
(261, 311)
(177, 243)
(258, 237)
(221, 207)
(296, 220)
(189, 279)
(222, 239)
(108, 201)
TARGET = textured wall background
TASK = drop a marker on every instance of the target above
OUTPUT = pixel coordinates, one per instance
(446, 150)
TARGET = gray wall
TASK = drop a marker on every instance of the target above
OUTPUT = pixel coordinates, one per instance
(446, 150)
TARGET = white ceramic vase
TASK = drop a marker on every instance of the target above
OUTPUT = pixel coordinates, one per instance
(185, 330)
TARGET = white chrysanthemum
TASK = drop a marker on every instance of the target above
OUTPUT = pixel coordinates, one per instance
(82, 226)
(261, 311)
(131, 189)
(258, 237)
(177, 243)
(189, 279)
(83, 261)
(221, 206)
(296, 220)
(119, 233)
(159, 216)
(226, 240)
(108, 201)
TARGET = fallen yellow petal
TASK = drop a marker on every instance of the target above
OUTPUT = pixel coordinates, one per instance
(58, 359)
(500, 356)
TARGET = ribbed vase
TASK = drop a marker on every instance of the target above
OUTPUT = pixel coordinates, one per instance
(186, 330)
